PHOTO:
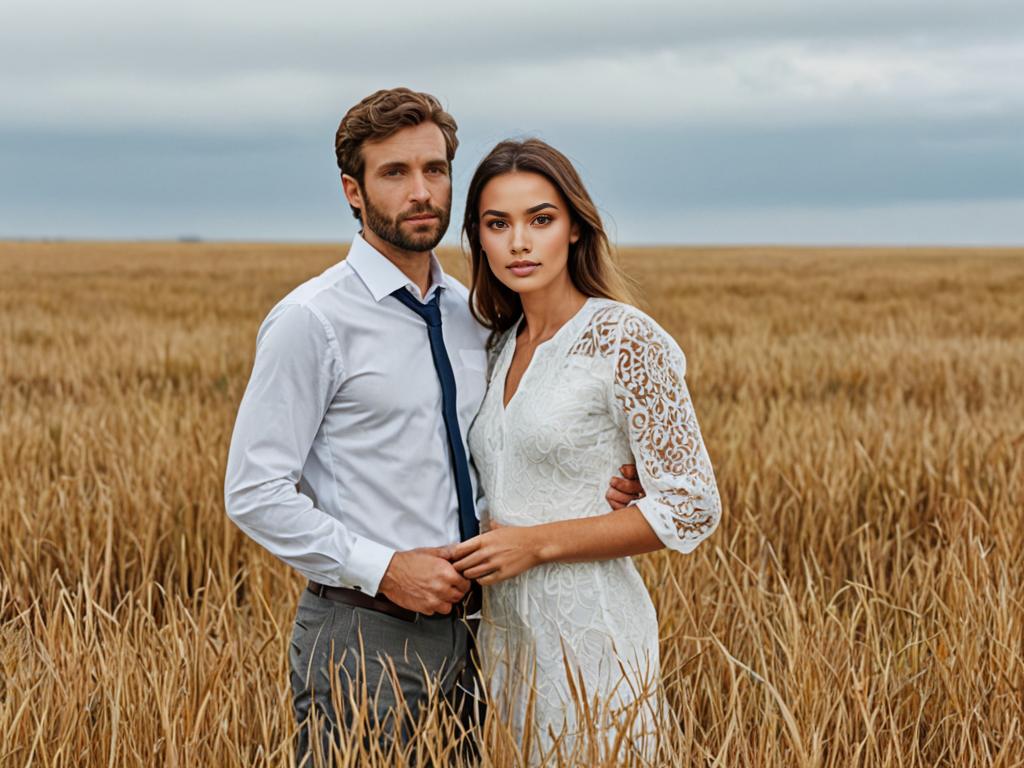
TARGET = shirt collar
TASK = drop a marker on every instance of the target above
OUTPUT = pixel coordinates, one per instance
(382, 277)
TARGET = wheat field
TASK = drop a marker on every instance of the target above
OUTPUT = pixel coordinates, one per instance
(862, 603)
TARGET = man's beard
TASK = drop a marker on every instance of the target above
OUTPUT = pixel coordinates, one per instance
(390, 230)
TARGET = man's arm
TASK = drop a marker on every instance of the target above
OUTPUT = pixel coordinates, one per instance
(295, 374)
(297, 371)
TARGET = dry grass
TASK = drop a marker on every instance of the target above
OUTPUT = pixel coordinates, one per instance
(860, 605)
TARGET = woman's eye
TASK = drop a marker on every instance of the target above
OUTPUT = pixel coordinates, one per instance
(495, 224)
(542, 219)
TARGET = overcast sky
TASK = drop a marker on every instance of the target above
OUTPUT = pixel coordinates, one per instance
(795, 121)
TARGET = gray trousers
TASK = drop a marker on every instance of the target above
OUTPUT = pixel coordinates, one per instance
(369, 653)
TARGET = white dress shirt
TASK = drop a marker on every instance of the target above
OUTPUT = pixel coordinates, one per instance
(344, 401)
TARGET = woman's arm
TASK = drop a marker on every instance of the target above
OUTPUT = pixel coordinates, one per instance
(507, 551)
(650, 402)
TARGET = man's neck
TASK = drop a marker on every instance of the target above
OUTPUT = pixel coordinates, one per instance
(413, 264)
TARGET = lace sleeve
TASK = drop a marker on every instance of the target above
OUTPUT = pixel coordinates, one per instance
(652, 404)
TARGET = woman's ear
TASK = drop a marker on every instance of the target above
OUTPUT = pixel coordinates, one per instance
(574, 233)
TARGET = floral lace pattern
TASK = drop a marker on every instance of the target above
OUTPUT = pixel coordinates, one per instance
(654, 405)
(607, 389)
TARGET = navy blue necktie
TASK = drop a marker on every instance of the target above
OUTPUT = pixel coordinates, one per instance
(431, 314)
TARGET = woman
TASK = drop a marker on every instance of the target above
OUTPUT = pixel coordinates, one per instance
(580, 383)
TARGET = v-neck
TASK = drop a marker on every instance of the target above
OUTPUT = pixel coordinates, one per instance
(513, 343)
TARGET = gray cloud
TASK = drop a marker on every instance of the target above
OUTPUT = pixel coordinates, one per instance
(155, 119)
(192, 36)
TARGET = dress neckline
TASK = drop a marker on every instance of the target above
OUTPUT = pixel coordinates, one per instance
(510, 343)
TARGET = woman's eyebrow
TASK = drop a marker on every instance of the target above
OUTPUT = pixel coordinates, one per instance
(541, 207)
(534, 209)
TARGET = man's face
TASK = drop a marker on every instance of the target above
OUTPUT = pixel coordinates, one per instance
(406, 195)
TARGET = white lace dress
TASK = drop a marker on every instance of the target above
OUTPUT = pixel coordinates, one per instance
(605, 390)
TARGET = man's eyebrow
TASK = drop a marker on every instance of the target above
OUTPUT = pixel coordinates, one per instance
(438, 162)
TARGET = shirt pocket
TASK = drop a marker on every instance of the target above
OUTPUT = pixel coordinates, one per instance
(471, 374)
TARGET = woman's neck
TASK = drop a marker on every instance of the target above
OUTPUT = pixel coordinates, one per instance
(549, 308)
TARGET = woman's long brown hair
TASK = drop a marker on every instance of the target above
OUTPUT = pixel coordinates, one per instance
(591, 267)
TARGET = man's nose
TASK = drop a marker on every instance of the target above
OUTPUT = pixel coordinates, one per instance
(419, 192)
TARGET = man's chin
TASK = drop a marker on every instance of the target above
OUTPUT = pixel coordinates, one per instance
(409, 235)
(424, 241)
(421, 247)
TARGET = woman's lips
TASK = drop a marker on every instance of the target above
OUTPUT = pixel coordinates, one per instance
(523, 268)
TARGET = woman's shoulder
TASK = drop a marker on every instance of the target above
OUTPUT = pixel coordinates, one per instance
(616, 328)
(620, 311)
(612, 320)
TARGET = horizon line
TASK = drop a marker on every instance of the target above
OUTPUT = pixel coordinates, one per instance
(199, 240)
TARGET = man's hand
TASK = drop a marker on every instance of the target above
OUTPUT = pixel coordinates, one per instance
(424, 580)
(624, 491)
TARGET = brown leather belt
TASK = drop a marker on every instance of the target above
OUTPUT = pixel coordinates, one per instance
(362, 600)
(380, 603)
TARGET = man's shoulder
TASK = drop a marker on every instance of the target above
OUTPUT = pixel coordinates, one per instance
(321, 296)
(323, 289)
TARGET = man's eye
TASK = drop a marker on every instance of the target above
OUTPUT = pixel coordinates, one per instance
(393, 172)
(437, 171)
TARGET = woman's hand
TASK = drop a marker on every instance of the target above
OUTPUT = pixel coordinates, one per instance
(501, 553)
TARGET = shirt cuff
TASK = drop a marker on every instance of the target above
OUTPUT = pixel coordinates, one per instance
(366, 565)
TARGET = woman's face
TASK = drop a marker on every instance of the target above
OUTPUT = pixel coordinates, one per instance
(526, 231)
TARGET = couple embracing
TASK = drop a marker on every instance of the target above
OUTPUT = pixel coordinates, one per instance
(411, 447)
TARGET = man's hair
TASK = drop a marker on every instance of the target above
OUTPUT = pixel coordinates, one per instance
(380, 115)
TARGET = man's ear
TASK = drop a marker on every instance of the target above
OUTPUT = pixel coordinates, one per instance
(353, 193)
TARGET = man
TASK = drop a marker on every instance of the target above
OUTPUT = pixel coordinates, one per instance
(365, 382)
